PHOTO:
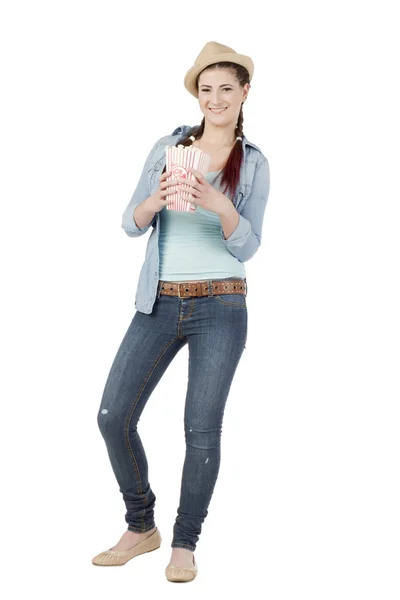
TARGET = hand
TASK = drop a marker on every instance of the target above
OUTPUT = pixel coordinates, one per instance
(159, 199)
(201, 192)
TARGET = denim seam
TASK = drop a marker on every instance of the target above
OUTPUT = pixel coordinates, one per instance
(135, 529)
(128, 420)
(182, 544)
(239, 304)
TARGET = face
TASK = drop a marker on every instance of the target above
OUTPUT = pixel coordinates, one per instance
(219, 89)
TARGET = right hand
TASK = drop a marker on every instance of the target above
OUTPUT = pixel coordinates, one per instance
(159, 199)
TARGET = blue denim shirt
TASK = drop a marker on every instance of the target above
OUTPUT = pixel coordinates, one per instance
(250, 200)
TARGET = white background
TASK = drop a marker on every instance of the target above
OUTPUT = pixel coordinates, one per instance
(306, 503)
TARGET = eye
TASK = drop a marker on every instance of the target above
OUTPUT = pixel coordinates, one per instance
(224, 89)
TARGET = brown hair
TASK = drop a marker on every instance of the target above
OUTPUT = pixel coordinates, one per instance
(230, 174)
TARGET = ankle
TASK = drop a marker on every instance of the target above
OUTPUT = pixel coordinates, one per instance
(142, 532)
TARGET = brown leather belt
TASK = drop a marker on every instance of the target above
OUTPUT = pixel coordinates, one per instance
(200, 288)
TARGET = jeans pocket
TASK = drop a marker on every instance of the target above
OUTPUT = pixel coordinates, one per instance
(238, 300)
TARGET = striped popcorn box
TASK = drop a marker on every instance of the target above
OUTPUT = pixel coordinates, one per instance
(179, 158)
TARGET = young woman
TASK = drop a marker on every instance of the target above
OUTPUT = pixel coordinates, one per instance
(192, 290)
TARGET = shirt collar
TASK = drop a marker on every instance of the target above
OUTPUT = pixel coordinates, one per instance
(183, 130)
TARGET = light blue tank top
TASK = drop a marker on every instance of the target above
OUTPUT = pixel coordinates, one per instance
(191, 247)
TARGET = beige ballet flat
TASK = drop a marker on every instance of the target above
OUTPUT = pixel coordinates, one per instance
(113, 558)
(181, 574)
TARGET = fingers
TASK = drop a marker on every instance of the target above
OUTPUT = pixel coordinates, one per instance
(166, 191)
(197, 174)
(174, 186)
(167, 187)
(165, 175)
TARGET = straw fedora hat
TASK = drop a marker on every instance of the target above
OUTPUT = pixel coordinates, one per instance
(210, 54)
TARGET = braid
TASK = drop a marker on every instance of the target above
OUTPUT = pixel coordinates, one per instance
(200, 130)
(239, 126)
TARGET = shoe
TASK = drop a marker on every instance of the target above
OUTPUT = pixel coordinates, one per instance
(112, 558)
(181, 574)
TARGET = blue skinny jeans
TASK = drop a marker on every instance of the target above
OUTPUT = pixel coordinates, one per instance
(215, 329)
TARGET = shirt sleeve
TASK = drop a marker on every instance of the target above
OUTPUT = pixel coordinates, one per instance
(245, 240)
(139, 195)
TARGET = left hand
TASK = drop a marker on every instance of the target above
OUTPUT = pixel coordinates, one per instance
(204, 194)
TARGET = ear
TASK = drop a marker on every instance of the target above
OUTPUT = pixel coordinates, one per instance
(246, 89)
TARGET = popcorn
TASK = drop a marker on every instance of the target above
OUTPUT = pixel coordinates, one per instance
(179, 158)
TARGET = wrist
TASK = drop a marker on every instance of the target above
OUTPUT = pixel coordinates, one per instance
(147, 204)
(226, 207)
(143, 214)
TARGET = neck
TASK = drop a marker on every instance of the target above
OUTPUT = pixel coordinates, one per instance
(218, 136)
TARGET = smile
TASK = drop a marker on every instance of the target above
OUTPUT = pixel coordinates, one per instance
(217, 111)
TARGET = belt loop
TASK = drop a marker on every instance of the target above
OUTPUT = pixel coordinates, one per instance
(159, 289)
(210, 290)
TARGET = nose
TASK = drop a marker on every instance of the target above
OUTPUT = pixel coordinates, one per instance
(215, 98)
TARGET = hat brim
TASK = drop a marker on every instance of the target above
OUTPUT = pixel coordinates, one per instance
(191, 75)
